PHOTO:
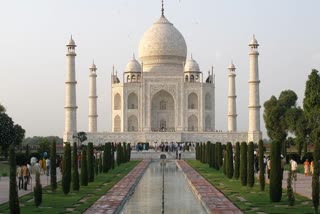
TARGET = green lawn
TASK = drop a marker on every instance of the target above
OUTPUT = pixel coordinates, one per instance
(251, 200)
(75, 202)
(4, 169)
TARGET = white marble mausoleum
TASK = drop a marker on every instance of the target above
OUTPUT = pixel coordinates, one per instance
(163, 96)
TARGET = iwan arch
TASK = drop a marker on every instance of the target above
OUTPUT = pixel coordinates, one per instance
(164, 96)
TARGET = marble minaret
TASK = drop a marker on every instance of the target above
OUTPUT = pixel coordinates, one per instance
(254, 133)
(232, 106)
(93, 115)
(71, 103)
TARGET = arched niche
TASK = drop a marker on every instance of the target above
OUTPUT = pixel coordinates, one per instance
(117, 102)
(208, 101)
(193, 123)
(132, 101)
(132, 123)
(193, 101)
(208, 123)
(117, 124)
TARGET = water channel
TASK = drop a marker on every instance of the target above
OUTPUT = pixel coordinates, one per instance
(151, 197)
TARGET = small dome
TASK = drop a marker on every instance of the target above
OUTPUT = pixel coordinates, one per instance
(232, 67)
(133, 66)
(71, 42)
(253, 41)
(191, 65)
(162, 43)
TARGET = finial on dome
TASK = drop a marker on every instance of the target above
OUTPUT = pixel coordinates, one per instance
(162, 8)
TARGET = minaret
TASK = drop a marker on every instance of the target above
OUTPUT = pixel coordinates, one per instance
(71, 104)
(232, 105)
(254, 133)
(93, 99)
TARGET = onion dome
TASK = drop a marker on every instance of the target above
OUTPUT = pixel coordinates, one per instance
(232, 67)
(133, 65)
(253, 41)
(191, 66)
(71, 42)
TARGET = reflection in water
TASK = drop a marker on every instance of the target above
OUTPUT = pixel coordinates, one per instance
(178, 197)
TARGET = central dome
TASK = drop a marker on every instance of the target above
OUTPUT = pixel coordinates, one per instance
(162, 44)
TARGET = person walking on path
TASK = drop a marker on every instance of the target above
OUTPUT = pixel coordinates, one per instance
(25, 175)
(268, 167)
(311, 167)
(40, 165)
(48, 164)
(306, 167)
(294, 167)
(283, 162)
(20, 177)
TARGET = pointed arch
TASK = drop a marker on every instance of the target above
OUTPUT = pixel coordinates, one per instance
(208, 123)
(117, 124)
(193, 123)
(193, 101)
(132, 101)
(117, 102)
(132, 123)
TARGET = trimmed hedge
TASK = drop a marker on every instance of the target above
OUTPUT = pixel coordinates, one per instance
(75, 174)
(229, 160)
(243, 163)
(275, 172)
(237, 161)
(262, 178)
(90, 159)
(84, 167)
(66, 172)
(250, 171)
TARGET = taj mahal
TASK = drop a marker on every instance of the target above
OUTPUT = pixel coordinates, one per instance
(163, 96)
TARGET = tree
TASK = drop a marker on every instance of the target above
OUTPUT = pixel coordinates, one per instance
(290, 193)
(13, 193)
(53, 168)
(250, 171)
(107, 157)
(262, 179)
(315, 176)
(75, 174)
(119, 154)
(213, 154)
(276, 115)
(2, 109)
(84, 167)
(229, 160)
(37, 191)
(90, 162)
(275, 172)
(237, 161)
(27, 151)
(243, 164)
(225, 163)
(66, 175)
(7, 133)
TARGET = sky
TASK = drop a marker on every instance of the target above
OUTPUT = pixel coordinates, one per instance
(33, 35)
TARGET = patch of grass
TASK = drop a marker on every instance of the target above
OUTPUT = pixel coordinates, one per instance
(251, 200)
(4, 169)
(78, 202)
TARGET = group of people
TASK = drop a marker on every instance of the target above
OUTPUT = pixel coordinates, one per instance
(24, 176)
(308, 167)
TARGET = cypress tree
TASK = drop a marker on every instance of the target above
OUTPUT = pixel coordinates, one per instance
(220, 154)
(250, 164)
(105, 158)
(290, 193)
(213, 148)
(225, 163)
(129, 152)
(37, 191)
(124, 153)
(261, 166)
(53, 168)
(208, 152)
(100, 164)
(197, 151)
(237, 161)
(90, 158)
(275, 172)
(200, 152)
(229, 160)
(112, 163)
(217, 156)
(66, 175)
(75, 174)
(315, 176)
(84, 167)
(13, 193)
(119, 154)
(243, 163)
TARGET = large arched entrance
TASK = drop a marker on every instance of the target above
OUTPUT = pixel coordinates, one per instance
(162, 112)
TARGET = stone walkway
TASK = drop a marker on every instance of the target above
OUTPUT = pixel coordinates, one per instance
(211, 198)
(116, 197)
(4, 186)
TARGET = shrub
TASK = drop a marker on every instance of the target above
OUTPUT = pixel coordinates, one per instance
(90, 159)
(37, 190)
(275, 172)
(53, 168)
(243, 163)
(13, 194)
(237, 161)
(262, 179)
(75, 174)
(84, 168)
(250, 178)
(229, 160)
(66, 175)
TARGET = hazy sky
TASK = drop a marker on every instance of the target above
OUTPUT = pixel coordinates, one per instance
(33, 35)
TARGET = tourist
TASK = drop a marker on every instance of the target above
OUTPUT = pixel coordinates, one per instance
(48, 164)
(25, 175)
(312, 167)
(294, 167)
(283, 162)
(268, 167)
(44, 165)
(180, 151)
(40, 164)
(20, 177)
(265, 161)
(306, 166)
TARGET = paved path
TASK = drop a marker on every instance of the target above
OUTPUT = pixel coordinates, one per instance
(211, 198)
(4, 186)
(117, 196)
(303, 185)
